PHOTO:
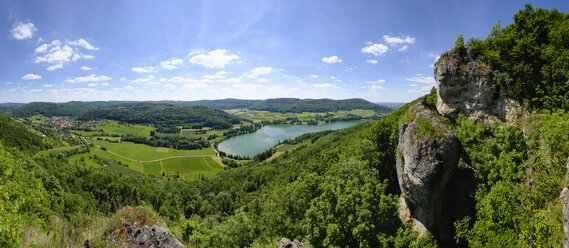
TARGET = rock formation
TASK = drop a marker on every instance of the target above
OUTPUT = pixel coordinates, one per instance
(134, 234)
(465, 85)
(565, 198)
(286, 243)
(429, 154)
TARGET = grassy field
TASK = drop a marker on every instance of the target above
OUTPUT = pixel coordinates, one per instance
(114, 127)
(146, 153)
(191, 168)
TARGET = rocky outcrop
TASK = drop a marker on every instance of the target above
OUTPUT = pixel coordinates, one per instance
(465, 85)
(428, 159)
(141, 231)
(286, 243)
(565, 198)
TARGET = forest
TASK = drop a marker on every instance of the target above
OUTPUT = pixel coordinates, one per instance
(165, 115)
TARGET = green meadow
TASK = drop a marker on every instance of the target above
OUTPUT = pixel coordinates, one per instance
(142, 152)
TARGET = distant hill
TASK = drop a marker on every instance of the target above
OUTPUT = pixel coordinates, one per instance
(161, 114)
(315, 105)
(296, 105)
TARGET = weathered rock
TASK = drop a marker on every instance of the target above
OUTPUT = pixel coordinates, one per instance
(565, 198)
(286, 243)
(428, 156)
(130, 235)
(151, 233)
(465, 85)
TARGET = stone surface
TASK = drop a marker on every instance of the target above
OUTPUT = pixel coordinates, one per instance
(286, 243)
(133, 236)
(424, 166)
(565, 198)
(466, 86)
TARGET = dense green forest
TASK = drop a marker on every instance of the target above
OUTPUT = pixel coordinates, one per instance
(165, 115)
(296, 105)
(78, 108)
(530, 57)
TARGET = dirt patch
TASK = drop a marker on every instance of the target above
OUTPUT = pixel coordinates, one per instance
(161, 149)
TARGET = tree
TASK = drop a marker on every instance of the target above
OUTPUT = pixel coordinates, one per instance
(459, 43)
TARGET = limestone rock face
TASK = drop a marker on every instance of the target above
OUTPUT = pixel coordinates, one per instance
(427, 160)
(286, 243)
(565, 198)
(466, 86)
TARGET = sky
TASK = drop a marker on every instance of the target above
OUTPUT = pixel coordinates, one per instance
(381, 51)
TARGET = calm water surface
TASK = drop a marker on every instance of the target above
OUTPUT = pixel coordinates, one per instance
(268, 136)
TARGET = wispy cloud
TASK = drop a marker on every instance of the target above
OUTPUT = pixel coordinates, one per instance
(31, 76)
(331, 60)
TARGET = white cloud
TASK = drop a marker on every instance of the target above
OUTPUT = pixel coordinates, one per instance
(83, 43)
(399, 40)
(8, 83)
(122, 79)
(371, 61)
(403, 48)
(42, 49)
(326, 85)
(143, 80)
(105, 84)
(57, 55)
(48, 85)
(262, 80)
(335, 79)
(214, 59)
(331, 60)
(379, 81)
(31, 76)
(169, 86)
(171, 64)
(92, 84)
(313, 76)
(423, 89)
(258, 71)
(90, 78)
(413, 85)
(376, 87)
(421, 79)
(55, 67)
(218, 75)
(22, 31)
(146, 69)
(375, 49)
(85, 68)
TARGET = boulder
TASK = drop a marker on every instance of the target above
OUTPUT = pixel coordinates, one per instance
(465, 85)
(286, 243)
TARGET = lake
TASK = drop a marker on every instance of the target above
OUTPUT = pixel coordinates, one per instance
(270, 135)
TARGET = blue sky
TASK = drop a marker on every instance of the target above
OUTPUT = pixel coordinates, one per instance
(382, 51)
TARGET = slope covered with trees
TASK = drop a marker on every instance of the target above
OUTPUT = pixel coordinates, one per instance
(296, 105)
(165, 115)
